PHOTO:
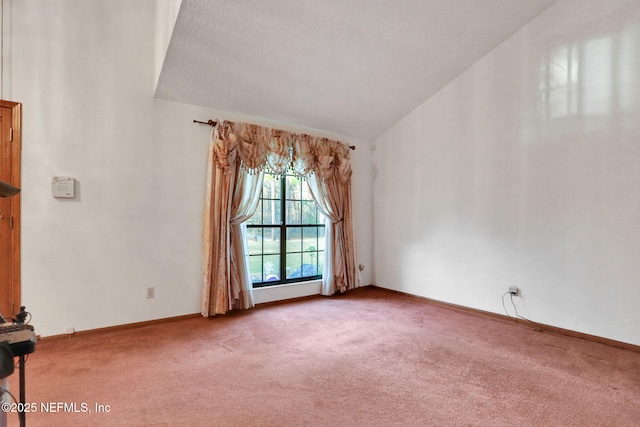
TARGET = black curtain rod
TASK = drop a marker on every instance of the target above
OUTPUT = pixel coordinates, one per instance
(208, 122)
(213, 123)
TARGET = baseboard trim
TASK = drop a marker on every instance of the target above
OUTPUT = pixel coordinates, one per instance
(540, 327)
(124, 327)
(135, 325)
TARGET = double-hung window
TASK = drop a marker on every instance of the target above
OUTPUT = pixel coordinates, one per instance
(285, 236)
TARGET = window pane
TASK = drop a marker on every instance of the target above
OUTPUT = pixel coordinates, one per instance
(255, 267)
(294, 190)
(271, 186)
(309, 212)
(271, 209)
(294, 265)
(310, 239)
(278, 213)
(271, 240)
(254, 240)
(268, 210)
(294, 239)
(271, 268)
(310, 264)
(293, 212)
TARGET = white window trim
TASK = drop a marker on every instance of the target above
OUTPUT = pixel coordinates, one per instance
(286, 291)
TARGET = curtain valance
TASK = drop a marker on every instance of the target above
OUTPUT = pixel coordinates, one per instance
(278, 151)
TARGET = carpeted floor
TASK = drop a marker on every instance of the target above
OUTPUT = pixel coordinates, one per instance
(367, 358)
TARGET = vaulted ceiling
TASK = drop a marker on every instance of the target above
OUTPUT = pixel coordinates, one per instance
(350, 67)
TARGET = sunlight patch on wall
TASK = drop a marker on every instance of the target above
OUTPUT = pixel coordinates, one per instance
(597, 86)
(629, 87)
(559, 82)
(592, 78)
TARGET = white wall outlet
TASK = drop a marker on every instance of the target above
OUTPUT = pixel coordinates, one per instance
(513, 290)
(70, 330)
(151, 292)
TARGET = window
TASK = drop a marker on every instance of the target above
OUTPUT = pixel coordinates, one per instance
(286, 234)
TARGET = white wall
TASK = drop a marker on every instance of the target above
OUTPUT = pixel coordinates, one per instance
(525, 171)
(85, 72)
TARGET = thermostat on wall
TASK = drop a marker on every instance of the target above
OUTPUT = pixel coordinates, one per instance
(63, 186)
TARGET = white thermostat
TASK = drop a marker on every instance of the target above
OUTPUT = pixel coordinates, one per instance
(63, 186)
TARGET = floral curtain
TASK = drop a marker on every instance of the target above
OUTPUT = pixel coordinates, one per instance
(238, 156)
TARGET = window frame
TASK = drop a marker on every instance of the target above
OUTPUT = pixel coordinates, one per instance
(283, 227)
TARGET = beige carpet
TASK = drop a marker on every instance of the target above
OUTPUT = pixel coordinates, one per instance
(368, 358)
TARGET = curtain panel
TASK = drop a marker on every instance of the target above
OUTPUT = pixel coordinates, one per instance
(239, 154)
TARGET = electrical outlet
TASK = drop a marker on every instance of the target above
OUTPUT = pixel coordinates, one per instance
(151, 292)
(513, 290)
(70, 330)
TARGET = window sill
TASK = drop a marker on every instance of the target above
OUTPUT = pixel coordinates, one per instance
(287, 291)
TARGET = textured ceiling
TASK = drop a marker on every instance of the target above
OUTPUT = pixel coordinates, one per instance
(351, 67)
